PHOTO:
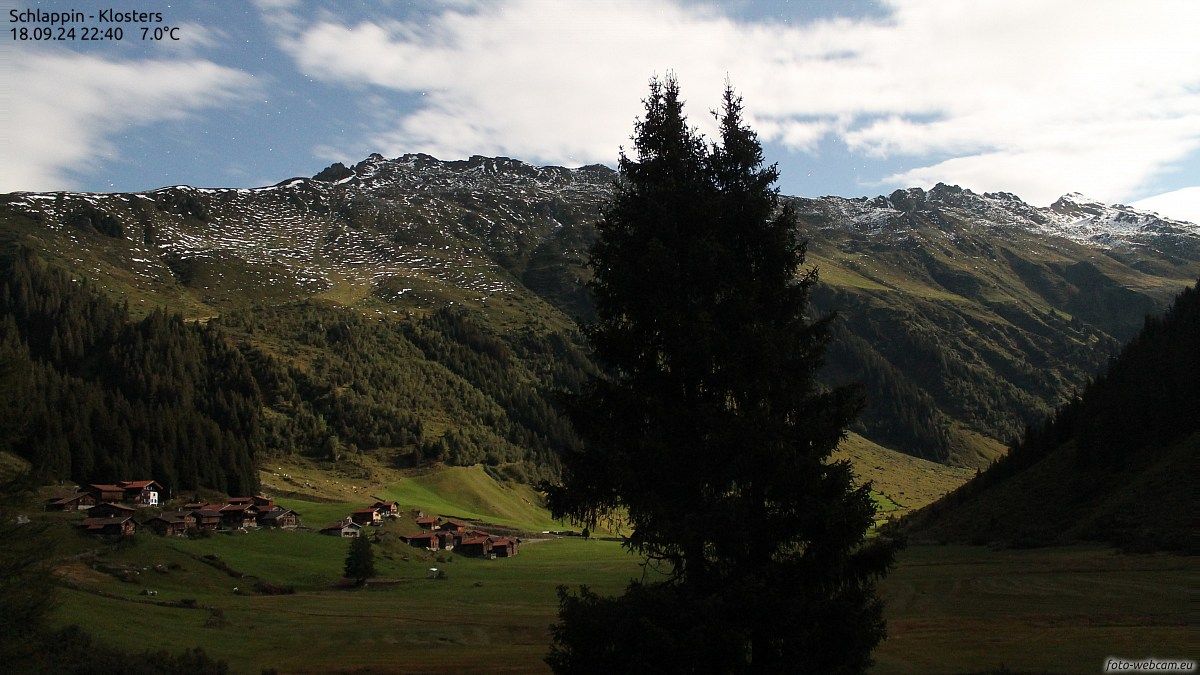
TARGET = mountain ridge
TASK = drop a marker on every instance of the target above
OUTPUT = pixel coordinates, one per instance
(969, 316)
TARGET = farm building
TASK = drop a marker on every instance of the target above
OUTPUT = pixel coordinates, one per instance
(427, 522)
(427, 540)
(136, 492)
(172, 523)
(503, 547)
(279, 517)
(118, 526)
(446, 540)
(475, 546)
(452, 525)
(344, 528)
(76, 502)
(387, 509)
(105, 493)
(207, 518)
(368, 516)
(235, 516)
(141, 492)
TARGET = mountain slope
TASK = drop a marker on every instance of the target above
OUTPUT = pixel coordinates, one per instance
(1118, 464)
(966, 315)
(971, 316)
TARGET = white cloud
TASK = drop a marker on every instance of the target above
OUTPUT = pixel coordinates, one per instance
(1037, 98)
(1183, 204)
(61, 110)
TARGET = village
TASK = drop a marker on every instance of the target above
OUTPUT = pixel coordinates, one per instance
(112, 510)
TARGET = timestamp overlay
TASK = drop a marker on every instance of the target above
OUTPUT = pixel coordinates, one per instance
(34, 24)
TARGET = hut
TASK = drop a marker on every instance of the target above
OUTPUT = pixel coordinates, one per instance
(427, 540)
(286, 519)
(117, 526)
(172, 523)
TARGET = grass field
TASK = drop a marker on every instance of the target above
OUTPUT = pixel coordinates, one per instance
(962, 609)
(491, 615)
(950, 609)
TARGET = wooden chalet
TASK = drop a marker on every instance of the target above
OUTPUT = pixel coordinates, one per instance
(172, 523)
(446, 540)
(475, 546)
(452, 525)
(263, 503)
(238, 516)
(118, 526)
(428, 540)
(367, 516)
(110, 510)
(343, 528)
(141, 492)
(207, 518)
(105, 493)
(135, 492)
(428, 522)
(504, 547)
(286, 519)
(387, 509)
(76, 502)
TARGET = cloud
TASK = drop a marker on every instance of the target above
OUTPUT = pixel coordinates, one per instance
(1101, 96)
(62, 116)
(1183, 204)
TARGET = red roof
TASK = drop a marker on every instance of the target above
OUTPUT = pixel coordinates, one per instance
(107, 487)
(426, 520)
(136, 484)
(475, 540)
(426, 535)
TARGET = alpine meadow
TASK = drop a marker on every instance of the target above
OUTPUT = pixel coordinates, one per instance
(645, 396)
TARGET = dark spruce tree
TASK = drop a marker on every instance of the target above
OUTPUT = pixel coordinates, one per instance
(360, 560)
(708, 429)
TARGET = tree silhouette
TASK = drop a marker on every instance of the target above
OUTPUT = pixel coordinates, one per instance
(360, 560)
(708, 428)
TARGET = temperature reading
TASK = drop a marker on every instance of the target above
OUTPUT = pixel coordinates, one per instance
(160, 33)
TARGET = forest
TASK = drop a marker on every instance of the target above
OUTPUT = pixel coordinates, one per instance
(196, 403)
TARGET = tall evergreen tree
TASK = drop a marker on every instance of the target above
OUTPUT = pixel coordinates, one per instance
(360, 560)
(708, 429)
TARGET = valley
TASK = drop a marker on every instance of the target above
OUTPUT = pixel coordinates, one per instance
(402, 330)
(950, 609)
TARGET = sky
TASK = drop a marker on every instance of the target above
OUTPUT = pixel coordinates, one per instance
(850, 98)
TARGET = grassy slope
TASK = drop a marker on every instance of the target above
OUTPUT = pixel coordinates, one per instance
(1015, 509)
(901, 482)
(321, 493)
(950, 609)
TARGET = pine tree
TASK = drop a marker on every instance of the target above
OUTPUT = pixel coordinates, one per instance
(360, 560)
(709, 430)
